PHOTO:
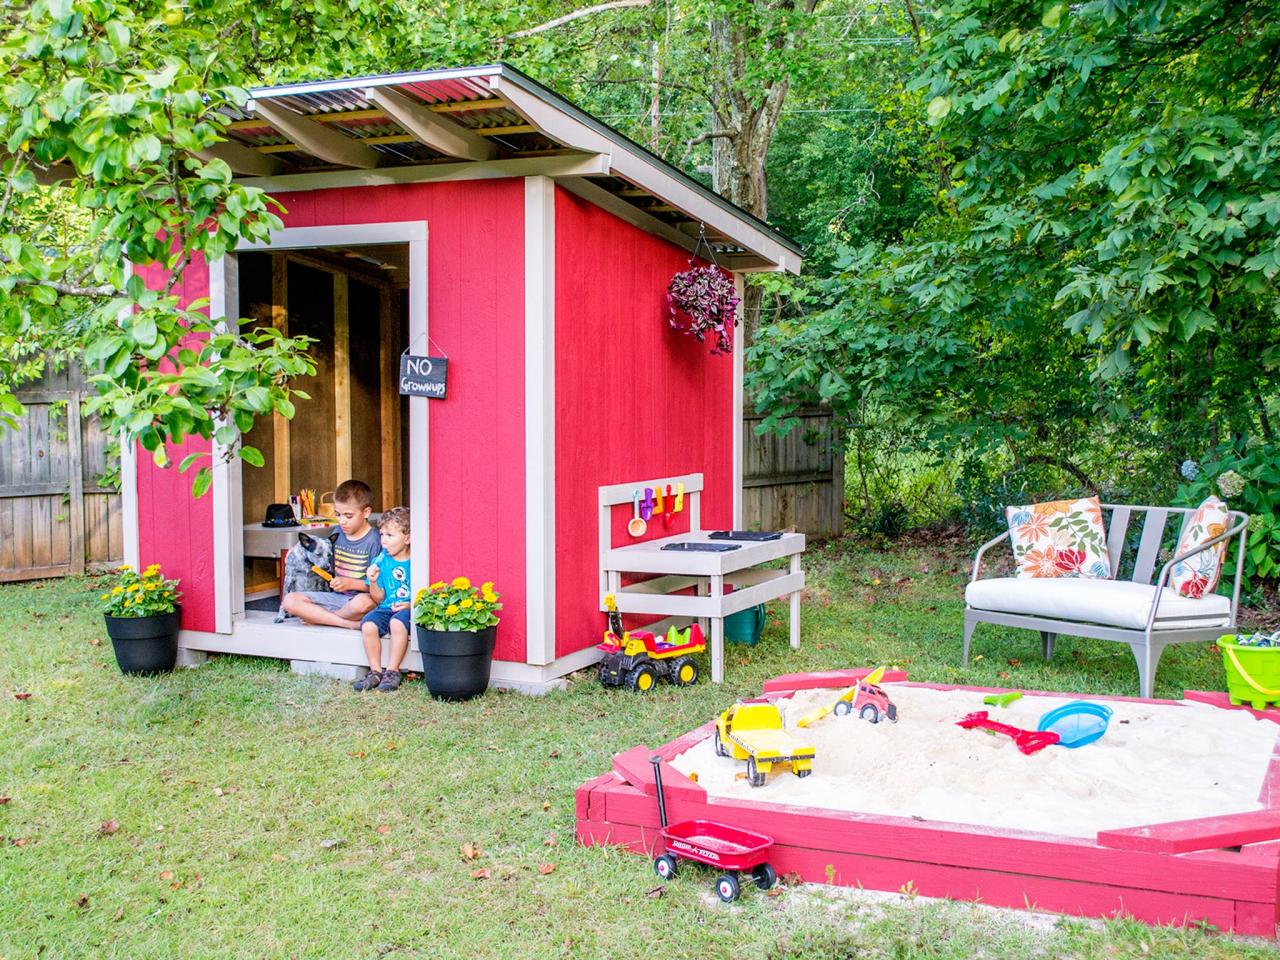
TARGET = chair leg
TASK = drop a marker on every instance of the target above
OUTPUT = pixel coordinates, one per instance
(1046, 643)
(969, 626)
(1148, 657)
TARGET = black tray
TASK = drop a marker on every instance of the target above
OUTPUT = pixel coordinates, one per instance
(696, 547)
(755, 535)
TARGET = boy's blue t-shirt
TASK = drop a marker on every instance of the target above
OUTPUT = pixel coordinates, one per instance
(393, 578)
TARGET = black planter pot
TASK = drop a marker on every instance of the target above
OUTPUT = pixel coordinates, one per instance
(145, 645)
(455, 663)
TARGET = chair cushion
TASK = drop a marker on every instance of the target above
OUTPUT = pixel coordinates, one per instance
(1198, 575)
(1113, 603)
(1062, 538)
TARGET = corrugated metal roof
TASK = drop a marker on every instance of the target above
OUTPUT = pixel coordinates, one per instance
(466, 97)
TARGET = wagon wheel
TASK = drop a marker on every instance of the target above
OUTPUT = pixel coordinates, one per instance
(727, 887)
(665, 866)
(642, 678)
(684, 672)
(754, 776)
(720, 748)
(870, 713)
(842, 707)
(764, 875)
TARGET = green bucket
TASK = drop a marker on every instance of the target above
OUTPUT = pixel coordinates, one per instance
(1253, 673)
(745, 625)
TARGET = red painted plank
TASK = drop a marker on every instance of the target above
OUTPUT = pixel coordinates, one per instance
(827, 678)
(1217, 874)
(1256, 919)
(1203, 833)
(992, 887)
(1219, 699)
(582, 796)
(633, 766)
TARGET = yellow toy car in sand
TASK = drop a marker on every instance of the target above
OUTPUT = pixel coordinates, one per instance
(751, 730)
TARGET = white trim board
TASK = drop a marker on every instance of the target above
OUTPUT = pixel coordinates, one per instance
(129, 480)
(228, 544)
(569, 165)
(540, 417)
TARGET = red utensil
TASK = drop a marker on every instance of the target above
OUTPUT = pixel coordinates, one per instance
(1028, 741)
(669, 514)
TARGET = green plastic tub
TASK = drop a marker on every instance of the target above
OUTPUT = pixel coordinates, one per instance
(1253, 673)
(745, 626)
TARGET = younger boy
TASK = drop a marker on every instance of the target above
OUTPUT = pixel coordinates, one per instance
(389, 588)
(347, 599)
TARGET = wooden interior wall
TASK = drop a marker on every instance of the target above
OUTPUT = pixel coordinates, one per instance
(57, 512)
(355, 424)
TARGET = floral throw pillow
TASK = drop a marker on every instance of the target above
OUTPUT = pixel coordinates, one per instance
(1197, 576)
(1064, 538)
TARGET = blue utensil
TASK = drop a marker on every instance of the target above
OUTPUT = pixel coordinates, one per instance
(1076, 723)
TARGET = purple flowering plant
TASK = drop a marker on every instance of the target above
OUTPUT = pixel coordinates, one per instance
(702, 302)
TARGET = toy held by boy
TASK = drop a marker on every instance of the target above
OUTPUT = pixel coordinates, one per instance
(389, 587)
(347, 598)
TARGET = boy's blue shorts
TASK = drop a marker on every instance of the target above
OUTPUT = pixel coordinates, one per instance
(382, 617)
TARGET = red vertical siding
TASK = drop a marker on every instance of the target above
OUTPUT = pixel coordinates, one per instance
(475, 306)
(634, 399)
(174, 529)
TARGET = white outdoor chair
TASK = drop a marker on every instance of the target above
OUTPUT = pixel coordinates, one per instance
(1148, 618)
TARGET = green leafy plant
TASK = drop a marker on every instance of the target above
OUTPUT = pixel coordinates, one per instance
(456, 605)
(1248, 481)
(145, 594)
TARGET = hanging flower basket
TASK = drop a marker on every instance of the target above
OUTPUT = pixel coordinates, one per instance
(703, 303)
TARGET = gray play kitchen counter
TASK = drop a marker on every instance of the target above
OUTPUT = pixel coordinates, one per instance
(709, 573)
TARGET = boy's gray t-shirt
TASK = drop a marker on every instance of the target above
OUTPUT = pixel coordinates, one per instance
(351, 557)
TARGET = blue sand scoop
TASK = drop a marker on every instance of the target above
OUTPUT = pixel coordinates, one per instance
(1077, 723)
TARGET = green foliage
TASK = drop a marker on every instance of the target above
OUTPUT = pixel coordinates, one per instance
(1248, 478)
(145, 594)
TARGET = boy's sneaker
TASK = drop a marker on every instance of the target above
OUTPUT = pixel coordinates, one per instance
(369, 681)
(390, 681)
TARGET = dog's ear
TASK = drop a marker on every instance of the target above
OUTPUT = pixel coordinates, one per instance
(333, 537)
(306, 540)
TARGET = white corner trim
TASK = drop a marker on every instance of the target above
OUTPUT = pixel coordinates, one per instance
(540, 417)
(739, 354)
(129, 481)
(419, 424)
(221, 487)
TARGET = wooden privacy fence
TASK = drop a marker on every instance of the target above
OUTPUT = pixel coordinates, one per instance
(56, 514)
(788, 482)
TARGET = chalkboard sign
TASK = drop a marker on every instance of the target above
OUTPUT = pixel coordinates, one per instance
(423, 376)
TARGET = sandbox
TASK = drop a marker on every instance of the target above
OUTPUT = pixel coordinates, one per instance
(1172, 817)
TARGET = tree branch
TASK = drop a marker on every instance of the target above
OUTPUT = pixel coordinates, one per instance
(69, 289)
(711, 135)
(577, 15)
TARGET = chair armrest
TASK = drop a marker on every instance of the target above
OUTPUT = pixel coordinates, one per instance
(977, 561)
(1221, 538)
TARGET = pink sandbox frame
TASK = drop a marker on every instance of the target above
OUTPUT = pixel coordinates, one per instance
(1218, 870)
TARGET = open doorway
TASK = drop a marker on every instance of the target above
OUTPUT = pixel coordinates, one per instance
(353, 303)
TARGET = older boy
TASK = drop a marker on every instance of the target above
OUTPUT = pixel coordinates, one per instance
(347, 599)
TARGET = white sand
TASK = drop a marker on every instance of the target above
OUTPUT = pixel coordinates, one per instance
(1156, 763)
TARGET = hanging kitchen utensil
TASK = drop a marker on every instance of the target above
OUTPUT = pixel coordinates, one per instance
(669, 517)
(646, 505)
(636, 526)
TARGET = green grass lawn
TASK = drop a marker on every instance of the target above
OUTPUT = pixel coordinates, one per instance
(238, 810)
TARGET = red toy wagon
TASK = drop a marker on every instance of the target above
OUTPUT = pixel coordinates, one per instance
(729, 848)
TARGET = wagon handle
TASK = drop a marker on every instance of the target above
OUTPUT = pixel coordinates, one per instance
(657, 779)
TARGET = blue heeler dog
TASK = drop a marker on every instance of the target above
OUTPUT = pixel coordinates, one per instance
(298, 576)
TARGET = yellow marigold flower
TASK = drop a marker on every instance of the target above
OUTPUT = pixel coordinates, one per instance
(490, 596)
(467, 604)
(153, 568)
(124, 566)
(487, 586)
(461, 583)
(106, 596)
(438, 585)
(451, 610)
(117, 590)
(134, 586)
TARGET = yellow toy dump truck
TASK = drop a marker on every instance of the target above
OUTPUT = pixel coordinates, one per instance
(751, 730)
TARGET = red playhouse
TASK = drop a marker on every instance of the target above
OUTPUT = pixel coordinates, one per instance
(474, 216)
